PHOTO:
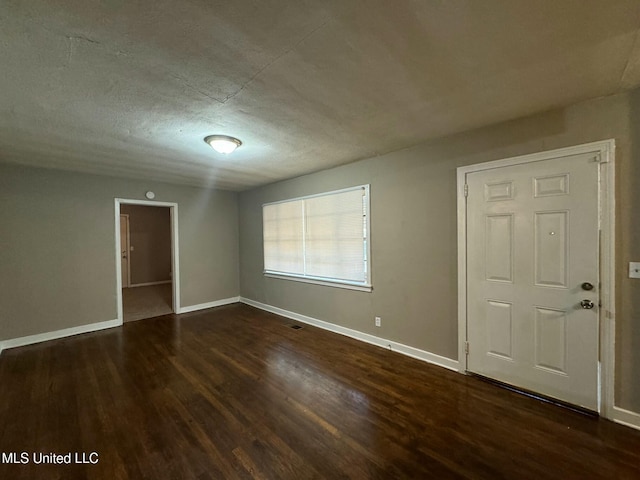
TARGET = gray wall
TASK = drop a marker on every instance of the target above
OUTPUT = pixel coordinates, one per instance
(57, 251)
(150, 239)
(414, 239)
(57, 240)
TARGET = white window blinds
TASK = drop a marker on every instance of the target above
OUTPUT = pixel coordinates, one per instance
(283, 245)
(322, 237)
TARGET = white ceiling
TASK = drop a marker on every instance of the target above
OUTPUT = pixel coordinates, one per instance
(131, 88)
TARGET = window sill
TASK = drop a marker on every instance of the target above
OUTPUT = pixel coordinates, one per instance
(316, 281)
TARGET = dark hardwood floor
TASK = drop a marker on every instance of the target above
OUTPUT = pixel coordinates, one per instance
(233, 393)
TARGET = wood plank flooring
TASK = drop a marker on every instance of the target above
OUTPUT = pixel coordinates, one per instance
(234, 393)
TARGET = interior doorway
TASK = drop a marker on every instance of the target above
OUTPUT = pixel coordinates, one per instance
(148, 272)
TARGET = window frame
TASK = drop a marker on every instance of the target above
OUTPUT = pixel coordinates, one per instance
(365, 286)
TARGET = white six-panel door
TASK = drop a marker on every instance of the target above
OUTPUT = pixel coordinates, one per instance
(532, 242)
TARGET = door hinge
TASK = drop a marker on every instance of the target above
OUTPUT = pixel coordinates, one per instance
(466, 348)
(601, 159)
(466, 189)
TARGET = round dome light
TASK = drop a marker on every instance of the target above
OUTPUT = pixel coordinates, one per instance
(223, 143)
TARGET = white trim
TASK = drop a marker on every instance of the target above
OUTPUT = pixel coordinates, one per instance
(203, 306)
(607, 278)
(323, 194)
(116, 210)
(175, 249)
(317, 281)
(148, 203)
(148, 284)
(606, 150)
(626, 417)
(66, 332)
(364, 337)
(175, 257)
(462, 271)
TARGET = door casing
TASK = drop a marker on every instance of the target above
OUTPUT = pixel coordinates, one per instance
(606, 190)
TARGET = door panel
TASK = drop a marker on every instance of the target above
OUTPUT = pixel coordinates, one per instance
(532, 240)
(500, 329)
(499, 246)
(550, 248)
(551, 339)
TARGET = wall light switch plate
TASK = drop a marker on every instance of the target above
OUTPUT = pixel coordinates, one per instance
(634, 269)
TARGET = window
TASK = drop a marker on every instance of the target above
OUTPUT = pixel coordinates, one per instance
(320, 239)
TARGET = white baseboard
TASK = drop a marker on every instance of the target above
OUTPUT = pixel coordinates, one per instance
(203, 306)
(364, 337)
(66, 332)
(626, 417)
(148, 284)
(92, 327)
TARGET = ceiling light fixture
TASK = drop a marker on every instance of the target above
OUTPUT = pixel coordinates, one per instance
(223, 143)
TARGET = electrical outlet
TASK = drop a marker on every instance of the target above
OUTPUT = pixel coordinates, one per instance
(378, 321)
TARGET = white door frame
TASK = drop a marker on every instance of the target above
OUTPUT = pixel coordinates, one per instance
(606, 202)
(128, 250)
(175, 250)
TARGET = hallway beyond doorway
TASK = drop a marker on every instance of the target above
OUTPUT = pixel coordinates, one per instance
(146, 302)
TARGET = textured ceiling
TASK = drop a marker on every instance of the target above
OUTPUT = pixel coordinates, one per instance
(131, 88)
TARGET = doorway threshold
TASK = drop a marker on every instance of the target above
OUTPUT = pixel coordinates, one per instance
(537, 396)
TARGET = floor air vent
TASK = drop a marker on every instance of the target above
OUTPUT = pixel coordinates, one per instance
(295, 327)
